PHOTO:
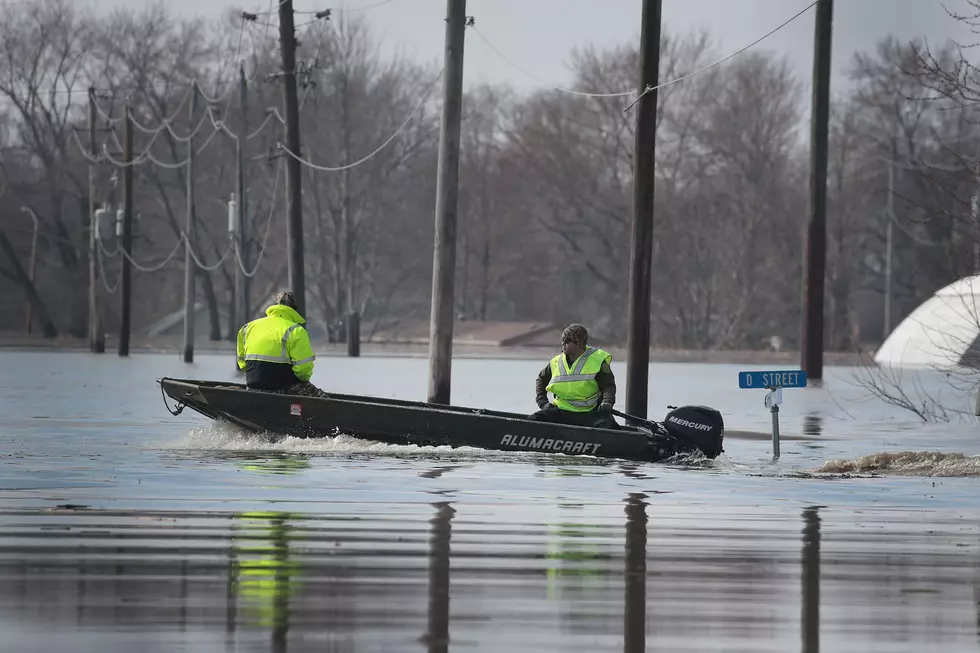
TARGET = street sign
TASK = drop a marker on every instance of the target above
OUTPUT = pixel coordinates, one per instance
(772, 380)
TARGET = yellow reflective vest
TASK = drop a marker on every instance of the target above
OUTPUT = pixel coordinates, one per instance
(575, 387)
(277, 338)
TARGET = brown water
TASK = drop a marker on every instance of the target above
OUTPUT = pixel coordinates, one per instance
(123, 528)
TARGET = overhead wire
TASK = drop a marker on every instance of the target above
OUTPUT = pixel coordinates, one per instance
(194, 83)
(649, 89)
(146, 155)
(268, 227)
(365, 7)
(380, 147)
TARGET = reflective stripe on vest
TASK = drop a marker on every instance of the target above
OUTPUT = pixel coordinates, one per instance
(283, 357)
(577, 380)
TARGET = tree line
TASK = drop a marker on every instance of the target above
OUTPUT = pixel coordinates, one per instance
(545, 178)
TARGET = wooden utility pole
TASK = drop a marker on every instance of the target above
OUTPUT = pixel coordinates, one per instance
(242, 309)
(37, 225)
(127, 235)
(96, 338)
(294, 224)
(641, 246)
(890, 211)
(190, 267)
(811, 341)
(353, 326)
(352, 323)
(447, 193)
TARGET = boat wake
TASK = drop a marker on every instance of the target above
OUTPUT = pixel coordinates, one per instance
(906, 463)
(222, 437)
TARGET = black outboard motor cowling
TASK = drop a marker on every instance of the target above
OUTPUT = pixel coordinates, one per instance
(697, 427)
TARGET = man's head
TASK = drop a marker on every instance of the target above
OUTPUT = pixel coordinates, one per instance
(574, 340)
(287, 298)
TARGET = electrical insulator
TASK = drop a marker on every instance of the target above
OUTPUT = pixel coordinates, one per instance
(99, 217)
(232, 215)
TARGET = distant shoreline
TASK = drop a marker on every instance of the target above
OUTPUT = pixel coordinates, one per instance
(369, 349)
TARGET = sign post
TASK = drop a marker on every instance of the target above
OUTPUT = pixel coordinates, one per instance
(774, 382)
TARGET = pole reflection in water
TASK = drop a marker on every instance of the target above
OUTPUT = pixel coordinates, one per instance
(437, 636)
(635, 575)
(810, 617)
(812, 425)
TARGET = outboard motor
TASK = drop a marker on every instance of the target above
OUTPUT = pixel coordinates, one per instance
(697, 427)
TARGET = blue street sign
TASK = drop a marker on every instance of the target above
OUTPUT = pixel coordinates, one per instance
(768, 380)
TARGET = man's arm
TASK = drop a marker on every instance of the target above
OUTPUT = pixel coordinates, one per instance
(540, 383)
(301, 353)
(240, 347)
(607, 384)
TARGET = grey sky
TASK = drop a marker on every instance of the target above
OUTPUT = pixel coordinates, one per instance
(539, 34)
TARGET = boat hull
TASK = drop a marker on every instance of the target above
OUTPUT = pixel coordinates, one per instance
(411, 423)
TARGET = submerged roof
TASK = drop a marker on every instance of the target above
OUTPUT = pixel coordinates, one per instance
(941, 332)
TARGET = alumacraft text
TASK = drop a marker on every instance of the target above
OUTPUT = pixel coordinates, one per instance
(564, 446)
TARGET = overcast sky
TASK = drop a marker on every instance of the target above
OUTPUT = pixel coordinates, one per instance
(539, 34)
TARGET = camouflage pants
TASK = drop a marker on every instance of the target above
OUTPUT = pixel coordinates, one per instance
(305, 389)
(555, 415)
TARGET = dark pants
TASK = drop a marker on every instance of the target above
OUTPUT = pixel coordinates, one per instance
(555, 415)
(304, 389)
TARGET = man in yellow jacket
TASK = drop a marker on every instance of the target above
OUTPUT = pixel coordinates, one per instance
(275, 351)
(582, 382)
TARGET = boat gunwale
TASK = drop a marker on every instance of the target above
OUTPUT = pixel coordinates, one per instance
(406, 404)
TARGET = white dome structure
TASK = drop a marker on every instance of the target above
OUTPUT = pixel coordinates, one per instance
(941, 333)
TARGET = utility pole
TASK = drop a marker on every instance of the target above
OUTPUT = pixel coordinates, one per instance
(190, 268)
(241, 281)
(294, 224)
(30, 305)
(127, 235)
(811, 341)
(890, 210)
(447, 194)
(96, 338)
(641, 246)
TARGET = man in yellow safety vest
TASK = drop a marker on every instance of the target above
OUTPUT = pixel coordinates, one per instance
(275, 351)
(581, 381)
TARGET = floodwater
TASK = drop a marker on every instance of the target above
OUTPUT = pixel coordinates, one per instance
(123, 528)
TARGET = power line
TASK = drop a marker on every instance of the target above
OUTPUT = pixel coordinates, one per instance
(376, 151)
(649, 89)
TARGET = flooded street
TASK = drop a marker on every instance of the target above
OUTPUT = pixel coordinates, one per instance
(125, 528)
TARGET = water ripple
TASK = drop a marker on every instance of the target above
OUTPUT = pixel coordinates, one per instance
(442, 577)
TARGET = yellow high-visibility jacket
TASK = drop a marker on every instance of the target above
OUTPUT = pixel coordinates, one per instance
(574, 386)
(275, 350)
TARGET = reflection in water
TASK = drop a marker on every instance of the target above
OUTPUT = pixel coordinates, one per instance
(437, 636)
(635, 575)
(263, 570)
(812, 425)
(279, 463)
(377, 577)
(810, 617)
(438, 471)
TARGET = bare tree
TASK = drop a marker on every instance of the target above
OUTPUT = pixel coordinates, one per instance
(913, 110)
(41, 58)
(358, 102)
(485, 203)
